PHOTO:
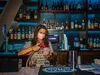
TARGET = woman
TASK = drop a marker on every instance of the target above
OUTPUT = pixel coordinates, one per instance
(39, 46)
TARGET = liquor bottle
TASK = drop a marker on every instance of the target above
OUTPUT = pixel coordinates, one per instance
(73, 5)
(97, 42)
(23, 33)
(76, 25)
(11, 36)
(53, 6)
(79, 6)
(46, 6)
(91, 42)
(15, 35)
(28, 15)
(94, 42)
(35, 15)
(62, 26)
(26, 32)
(89, 24)
(41, 5)
(66, 25)
(19, 34)
(20, 15)
(62, 5)
(90, 5)
(66, 6)
(58, 6)
(83, 24)
(72, 24)
(29, 35)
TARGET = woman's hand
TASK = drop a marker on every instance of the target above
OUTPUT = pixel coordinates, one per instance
(36, 47)
(46, 53)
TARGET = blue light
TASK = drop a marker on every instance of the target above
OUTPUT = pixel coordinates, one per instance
(28, 23)
(32, 7)
(91, 16)
(94, 32)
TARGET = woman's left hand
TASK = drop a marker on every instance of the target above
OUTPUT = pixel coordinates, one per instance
(46, 53)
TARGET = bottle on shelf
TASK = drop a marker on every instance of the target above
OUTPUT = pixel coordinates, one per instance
(76, 24)
(28, 15)
(11, 36)
(62, 5)
(66, 25)
(90, 5)
(72, 24)
(58, 6)
(35, 15)
(83, 24)
(26, 33)
(19, 34)
(15, 35)
(53, 5)
(46, 6)
(79, 5)
(66, 6)
(41, 5)
(23, 33)
(20, 15)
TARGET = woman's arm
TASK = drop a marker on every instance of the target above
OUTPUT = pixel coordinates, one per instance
(24, 51)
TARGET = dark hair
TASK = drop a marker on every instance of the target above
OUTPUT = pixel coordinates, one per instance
(35, 39)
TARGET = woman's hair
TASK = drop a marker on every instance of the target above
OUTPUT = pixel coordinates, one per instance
(35, 39)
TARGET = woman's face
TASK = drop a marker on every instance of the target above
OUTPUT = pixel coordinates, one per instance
(41, 34)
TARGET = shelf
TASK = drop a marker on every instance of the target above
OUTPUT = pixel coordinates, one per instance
(18, 41)
(62, 11)
(93, 29)
(27, 20)
(94, 11)
(27, 3)
(53, 11)
(75, 30)
(78, 11)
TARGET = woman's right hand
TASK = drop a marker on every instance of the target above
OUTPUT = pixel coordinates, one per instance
(36, 47)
